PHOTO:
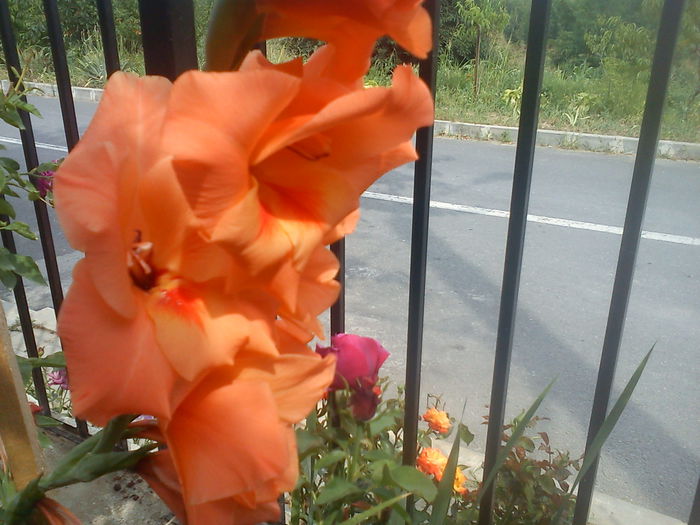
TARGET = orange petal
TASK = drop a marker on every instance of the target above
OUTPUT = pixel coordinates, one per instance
(116, 365)
(318, 290)
(199, 329)
(345, 227)
(226, 439)
(403, 20)
(211, 147)
(54, 513)
(96, 184)
(297, 380)
(159, 472)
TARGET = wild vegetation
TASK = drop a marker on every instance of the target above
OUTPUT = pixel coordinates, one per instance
(599, 57)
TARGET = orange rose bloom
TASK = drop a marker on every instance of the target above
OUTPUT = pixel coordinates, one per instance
(352, 26)
(432, 461)
(144, 316)
(438, 420)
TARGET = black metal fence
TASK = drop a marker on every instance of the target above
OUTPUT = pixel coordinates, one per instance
(169, 49)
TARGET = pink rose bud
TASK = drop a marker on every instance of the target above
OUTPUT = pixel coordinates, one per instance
(365, 400)
(358, 360)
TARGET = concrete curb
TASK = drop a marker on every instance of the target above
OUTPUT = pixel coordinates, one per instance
(568, 139)
(51, 90)
(558, 139)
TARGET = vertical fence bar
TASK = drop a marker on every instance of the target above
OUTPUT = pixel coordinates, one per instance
(636, 206)
(419, 252)
(338, 308)
(167, 33)
(108, 33)
(9, 45)
(31, 160)
(60, 64)
(520, 196)
(70, 128)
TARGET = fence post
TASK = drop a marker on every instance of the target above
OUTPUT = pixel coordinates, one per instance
(17, 430)
(167, 33)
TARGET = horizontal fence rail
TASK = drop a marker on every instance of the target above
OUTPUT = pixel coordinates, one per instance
(169, 48)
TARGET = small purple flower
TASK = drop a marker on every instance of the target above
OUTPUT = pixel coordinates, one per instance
(59, 378)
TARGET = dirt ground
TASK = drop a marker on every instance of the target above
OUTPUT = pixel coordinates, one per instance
(114, 499)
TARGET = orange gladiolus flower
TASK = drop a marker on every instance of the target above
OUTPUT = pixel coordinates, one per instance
(279, 172)
(228, 456)
(144, 316)
(352, 26)
(438, 420)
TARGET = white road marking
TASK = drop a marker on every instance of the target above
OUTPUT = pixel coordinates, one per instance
(40, 145)
(566, 223)
(541, 219)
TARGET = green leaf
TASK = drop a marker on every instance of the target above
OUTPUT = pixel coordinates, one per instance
(27, 268)
(234, 28)
(9, 164)
(92, 466)
(44, 441)
(377, 470)
(46, 421)
(360, 518)
(465, 435)
(376, 455)
(609, 424)
(26, 106)
(10, 115)
(412, 480)
(441, 504)
(9, 191)
(382, 423)
(56, 360)
(336, 489)
(25, 368)
(514, 437)
(331, 458)
(45, 166)
(9, 279)
(6, 208)
(307, 442)
(20, 228)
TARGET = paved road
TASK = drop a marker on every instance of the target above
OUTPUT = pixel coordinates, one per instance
(566, 284)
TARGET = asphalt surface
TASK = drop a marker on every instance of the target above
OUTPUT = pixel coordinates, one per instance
(651, 459)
